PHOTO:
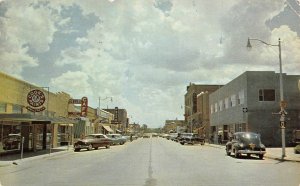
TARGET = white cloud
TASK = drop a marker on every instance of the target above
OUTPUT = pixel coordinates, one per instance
(76, 83)
(144, 53)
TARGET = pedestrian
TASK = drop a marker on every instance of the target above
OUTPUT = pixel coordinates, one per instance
(130, 137)
(220, 139)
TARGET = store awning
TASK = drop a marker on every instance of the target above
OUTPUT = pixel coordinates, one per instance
(108, 128)
(34, 119)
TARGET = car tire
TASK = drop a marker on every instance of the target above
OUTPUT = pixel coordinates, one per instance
(96, 148)
(228, 152)
(261, 156)
(236, 154)
(107, 146)
(90, 147)
(182, 143)
(76, 150)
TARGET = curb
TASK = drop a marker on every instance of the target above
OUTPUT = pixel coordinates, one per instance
(266, 156)
(43, 156)
(281, 160)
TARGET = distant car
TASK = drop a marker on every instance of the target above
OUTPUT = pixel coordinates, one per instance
(297, 149)
(167, 136)
(190, 138)
(146, 135)
(154, 135)
(173, 136)
(92, 141)
(12, 142)
(245, 143)
(117, 139)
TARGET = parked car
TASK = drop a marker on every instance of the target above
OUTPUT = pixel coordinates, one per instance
(297, 149)
(12, 142)
(117, 139)
(167, 136)
(92, 141)
(190, 138)
(173, 136)
(245, 143)
(147, 135)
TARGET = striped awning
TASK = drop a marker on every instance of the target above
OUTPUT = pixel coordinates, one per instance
(107, 128)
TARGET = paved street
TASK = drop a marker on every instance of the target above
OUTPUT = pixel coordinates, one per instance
(150, 162)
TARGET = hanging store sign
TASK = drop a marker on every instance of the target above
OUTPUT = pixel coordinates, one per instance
(36, 100)
(84, 107)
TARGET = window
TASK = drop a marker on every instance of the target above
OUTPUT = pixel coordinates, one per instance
(241, 97)
(221, 105)
(216, 107)
(226, 103)
(266, 95)
(2, 107)
(17, 109)
(233, 100)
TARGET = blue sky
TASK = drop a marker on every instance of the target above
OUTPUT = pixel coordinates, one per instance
(143, 53)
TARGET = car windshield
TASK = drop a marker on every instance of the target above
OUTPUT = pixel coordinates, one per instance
(250, 138)
(90, 136)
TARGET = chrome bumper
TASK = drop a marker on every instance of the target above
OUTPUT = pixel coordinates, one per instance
(80, 146)
(251, 152)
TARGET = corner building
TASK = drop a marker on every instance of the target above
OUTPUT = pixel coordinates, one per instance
(248, 103)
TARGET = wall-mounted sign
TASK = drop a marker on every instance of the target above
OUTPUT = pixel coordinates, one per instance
(84, 107)
(116, 116)
(36, 100)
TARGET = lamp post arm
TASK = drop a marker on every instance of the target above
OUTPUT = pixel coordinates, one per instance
(263, 42)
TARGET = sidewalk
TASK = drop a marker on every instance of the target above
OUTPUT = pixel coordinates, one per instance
(15, 158)
(272, 153)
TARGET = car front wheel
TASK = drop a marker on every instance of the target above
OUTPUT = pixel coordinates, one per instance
(228, 152)
(90, 147)
(261, 156)
(107, 146)
(236, 154)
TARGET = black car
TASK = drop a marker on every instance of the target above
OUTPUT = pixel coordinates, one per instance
(245, 143)
(190, 138)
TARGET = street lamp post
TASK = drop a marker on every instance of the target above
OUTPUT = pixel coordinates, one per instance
(111, 99)
(282, 102)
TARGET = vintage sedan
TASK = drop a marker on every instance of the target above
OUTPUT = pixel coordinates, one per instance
(117, 139)
(12, 142)
(245, 143)
(92, 141)
(297, 149)
(190, 138)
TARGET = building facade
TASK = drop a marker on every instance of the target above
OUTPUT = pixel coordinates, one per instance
(120, 120)
(175, 126)
(197, 107)
(250, 103)
(33, 114)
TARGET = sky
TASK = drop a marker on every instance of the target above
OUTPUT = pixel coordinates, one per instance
(144, 53)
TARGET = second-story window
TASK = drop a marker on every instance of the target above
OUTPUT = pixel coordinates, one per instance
(266, 95)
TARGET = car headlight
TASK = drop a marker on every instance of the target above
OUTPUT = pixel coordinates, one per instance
(262, 146)
(241, 145)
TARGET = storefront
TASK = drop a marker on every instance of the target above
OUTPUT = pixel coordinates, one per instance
(35, 132)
